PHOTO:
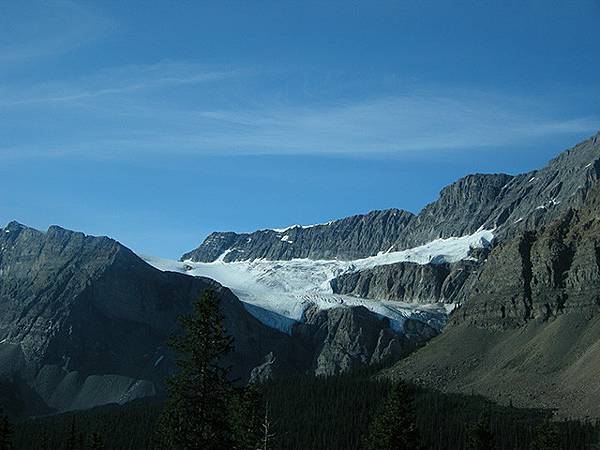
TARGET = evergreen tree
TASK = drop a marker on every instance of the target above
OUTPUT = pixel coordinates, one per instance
(547, 437)
(197, 413)
(44, 440)
(6, 432)
(96, 442)
(80, 441)
(395, 426)
(71, 443)
(247, 415)
(480, 436)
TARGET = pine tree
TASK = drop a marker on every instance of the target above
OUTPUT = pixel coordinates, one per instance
(198, 410)
(546, 437)
(81, 441)
(44, 440)
(480, 436)
(247, 414)
(71, 443)
(96, 442)
(6, 432)
(395, 427)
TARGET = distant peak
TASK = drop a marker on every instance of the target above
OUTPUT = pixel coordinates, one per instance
(476, 182)
(13, 226)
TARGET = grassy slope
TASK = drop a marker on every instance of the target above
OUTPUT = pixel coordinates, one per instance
(550, 365)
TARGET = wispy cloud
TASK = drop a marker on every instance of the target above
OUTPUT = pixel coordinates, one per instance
(186, 109)
(35, 28)
(389, 125)
(115, 82)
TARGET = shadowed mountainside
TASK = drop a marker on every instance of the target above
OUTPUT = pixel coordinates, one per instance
(83, 320)
(529, 331)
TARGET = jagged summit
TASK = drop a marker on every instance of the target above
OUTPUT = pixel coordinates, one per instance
(13, 225)
(349, 238)
(84, 320)
(480, 201)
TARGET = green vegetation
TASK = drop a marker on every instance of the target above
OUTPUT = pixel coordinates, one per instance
(357, 411)
(395, 425)
(332, 413)
(203, 409)
(6, 431)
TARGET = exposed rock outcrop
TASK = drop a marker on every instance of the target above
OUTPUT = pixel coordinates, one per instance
(349, 238)
(408, 282)
(462, 208)
(83, 320)
(528, 332)
(502, 202)
(343, 339)
(538, 275)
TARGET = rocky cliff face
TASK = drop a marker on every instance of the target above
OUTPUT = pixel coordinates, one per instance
(344, 339)
(541, 273)
(340, 340)
(83, 320)
(408, 282)
(462, 208)
(349, 238)
(528, 331)
(502, 202)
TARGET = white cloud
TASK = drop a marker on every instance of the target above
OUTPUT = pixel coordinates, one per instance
(393, 125)
(186, 109)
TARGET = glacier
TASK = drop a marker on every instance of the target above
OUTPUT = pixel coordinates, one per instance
(278, 292)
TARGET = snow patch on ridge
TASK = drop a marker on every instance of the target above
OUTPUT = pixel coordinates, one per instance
(291, 227)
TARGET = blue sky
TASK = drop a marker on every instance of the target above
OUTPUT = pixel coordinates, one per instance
(158, 122)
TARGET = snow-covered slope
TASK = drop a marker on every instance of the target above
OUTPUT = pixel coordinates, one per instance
(278, 292)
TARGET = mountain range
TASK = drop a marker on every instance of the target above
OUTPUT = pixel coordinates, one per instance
(492, 288)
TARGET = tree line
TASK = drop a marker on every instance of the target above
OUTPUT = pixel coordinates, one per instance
(205, 409)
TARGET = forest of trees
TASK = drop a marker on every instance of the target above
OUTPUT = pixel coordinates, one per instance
(355, 411)
(326, 413)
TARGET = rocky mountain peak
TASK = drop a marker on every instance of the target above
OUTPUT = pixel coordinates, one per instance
(13, 226)
(479, 186)
(83, 320)
(349, 238)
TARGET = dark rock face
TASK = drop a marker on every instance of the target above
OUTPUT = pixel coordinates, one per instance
(349, 238)
(343, 339)
(510, 204)
(529, 329)
(538, 275)
(83, 320)
(266, 371)
(408, 282)
(502, 202)
(541, 196)
(462, 208)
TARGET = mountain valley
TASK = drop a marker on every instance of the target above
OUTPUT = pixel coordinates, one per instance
(492, 289)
